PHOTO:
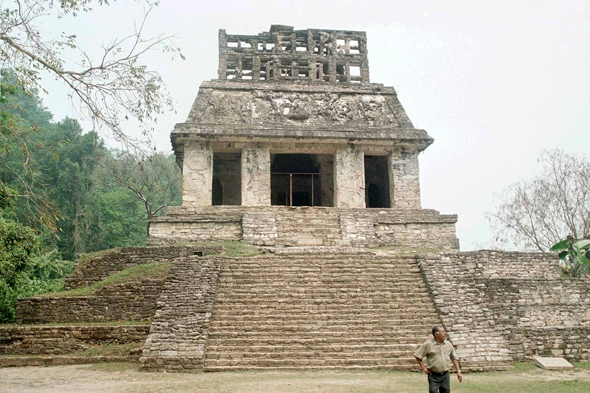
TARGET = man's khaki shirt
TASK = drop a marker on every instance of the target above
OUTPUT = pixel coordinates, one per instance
(436, 356)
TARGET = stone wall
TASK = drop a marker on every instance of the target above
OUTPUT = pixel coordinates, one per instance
(179, 332)
(202, 228)
(134, 301)
(89, 271)
(305, 226)
(57, 340)
(404, 179)
(504, 306)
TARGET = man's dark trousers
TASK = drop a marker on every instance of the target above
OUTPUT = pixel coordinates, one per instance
(439, 383)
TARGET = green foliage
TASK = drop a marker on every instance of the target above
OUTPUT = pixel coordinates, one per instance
(574, 256)
(154, 270)
(24, 269)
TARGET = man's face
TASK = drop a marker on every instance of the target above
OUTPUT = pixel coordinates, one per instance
(441, 335)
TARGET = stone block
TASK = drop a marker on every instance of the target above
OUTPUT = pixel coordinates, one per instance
(552, 363)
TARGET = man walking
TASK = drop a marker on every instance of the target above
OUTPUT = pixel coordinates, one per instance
(438, 354)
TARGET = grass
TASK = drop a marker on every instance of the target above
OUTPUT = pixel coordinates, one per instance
(109, 350)
(136, 273)
(84, 258)
(525, 379)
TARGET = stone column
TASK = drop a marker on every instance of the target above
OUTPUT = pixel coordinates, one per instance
(349, 178)
(404, 179)
(197, 174)
(255, 176)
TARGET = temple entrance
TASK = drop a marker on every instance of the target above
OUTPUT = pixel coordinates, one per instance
(376, 182)
(227, 179)
(302, 179)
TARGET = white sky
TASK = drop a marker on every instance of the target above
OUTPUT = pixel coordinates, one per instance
(492, 82)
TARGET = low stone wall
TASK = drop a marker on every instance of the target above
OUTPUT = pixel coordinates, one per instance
(307, 226)
(134, 301)
(496, 306)
(570, 343)
(175, 229)
(59, 340)
(179, 333)
(95, 269)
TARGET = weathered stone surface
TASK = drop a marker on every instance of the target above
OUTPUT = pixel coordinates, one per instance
(306, 226)
(256, 176)
(504, 306)
(404, 179)
(134, 301)
(91, 270)
(179, 332)
(197, 174)
(349, 178)
(59, 340)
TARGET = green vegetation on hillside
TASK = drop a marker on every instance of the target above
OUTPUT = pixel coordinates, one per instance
(155, 270)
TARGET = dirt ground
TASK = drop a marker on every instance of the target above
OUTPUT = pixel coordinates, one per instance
(126, 378)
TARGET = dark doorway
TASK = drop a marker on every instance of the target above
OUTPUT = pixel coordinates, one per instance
(302, 179)
(227, 179)
(376, 182)
(217, 192)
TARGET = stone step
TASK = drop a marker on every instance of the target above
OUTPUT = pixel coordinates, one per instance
(425, 320)
(36, 361)
(319, 275)
(289, 353)
(400, 328)
(334, 362)
(319, 289)
(315, 340)
(315, 258)
(299, 332)
(315, 367)
(312, 346)
(350, 306)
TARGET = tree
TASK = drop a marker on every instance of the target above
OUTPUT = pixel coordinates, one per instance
(154, 179)
(109, 89)
(538, 214)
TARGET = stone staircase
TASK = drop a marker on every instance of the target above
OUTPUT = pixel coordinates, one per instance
(315, 311)
(301, 226)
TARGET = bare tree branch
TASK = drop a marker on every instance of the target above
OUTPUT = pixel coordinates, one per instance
(539, 213)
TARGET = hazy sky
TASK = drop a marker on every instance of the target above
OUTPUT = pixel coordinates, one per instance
(493, 82)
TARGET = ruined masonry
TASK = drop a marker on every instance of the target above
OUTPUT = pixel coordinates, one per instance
(293, 150)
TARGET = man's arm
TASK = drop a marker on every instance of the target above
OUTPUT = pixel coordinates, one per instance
(422, 366)
(459, 375)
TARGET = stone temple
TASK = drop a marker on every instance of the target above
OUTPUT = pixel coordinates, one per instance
(293, 150)
(293, 121)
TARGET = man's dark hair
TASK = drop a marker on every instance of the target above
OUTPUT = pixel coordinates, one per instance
(435, 329)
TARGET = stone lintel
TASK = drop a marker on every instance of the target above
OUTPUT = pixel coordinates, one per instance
(215, 131)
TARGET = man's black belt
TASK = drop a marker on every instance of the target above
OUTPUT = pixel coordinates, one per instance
(438, 374)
